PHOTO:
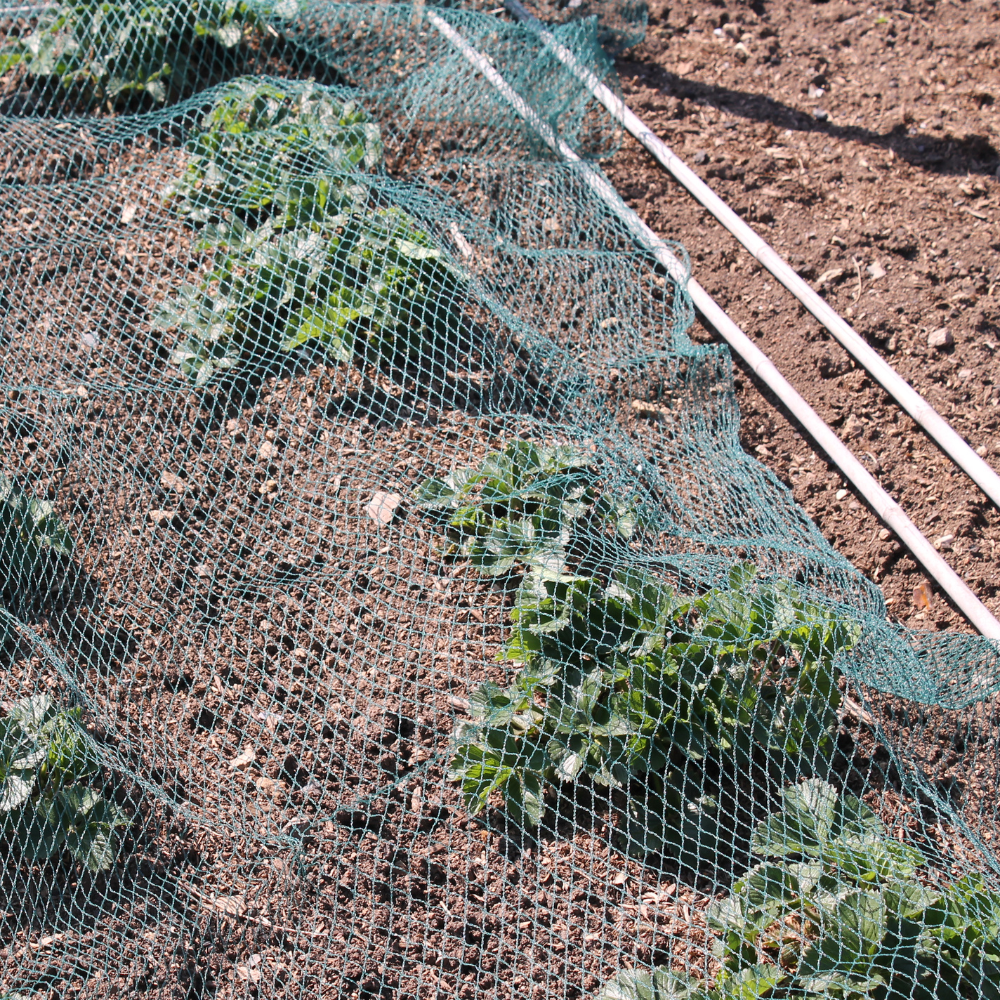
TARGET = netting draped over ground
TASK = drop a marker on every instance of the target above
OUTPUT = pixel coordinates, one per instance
(388, 607)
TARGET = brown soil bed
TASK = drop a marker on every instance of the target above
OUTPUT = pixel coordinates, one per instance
(849, 136)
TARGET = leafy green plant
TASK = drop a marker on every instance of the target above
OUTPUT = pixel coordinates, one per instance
(525, 505)
(30, 532)
(46, 806)
(839, 911)
(623, 678)
(109, 51)
(300, 257)
(369, 282)
(654, 984)
(620, 677)
(271, 146)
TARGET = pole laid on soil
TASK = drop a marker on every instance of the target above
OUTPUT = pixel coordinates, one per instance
(947, 438)
(887, 509)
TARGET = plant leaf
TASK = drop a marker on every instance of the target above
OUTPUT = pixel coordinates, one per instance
(658, 984)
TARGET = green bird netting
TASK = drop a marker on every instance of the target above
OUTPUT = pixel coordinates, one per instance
(388, 608)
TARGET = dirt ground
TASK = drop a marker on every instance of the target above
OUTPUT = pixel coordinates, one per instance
(275, 673)
(862, 142)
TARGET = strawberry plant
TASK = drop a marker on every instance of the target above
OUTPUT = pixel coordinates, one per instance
(46, 805)
(368, 283)
(109, 52)
(301, 260)
(839, 910)
(30, 533)
(526, 505)
(270, 146)
(621, 678)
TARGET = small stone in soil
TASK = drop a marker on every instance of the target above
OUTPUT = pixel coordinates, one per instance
(651, 411)
(944, 542)
(266, 451)
(940, 338)
(876, 270)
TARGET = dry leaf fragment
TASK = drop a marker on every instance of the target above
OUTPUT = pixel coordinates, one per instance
(171, 481)
(232, 906)
(382, 507)
(922, 595)
(833, 274)
(651, 411)
(251, 972)
(464, 246)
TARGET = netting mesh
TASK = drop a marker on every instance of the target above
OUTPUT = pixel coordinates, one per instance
(388, 608)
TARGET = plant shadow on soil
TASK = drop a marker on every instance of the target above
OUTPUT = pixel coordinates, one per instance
(710, 850)
(59, 904)
(495, 380)
(66, 601)
(947, 154)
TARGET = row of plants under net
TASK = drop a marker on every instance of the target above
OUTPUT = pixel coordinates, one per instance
(708, 720)
(708, 711)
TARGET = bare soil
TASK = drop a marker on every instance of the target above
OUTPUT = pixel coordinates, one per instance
(863, 142)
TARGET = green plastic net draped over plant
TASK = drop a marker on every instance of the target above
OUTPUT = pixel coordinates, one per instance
(387, 606)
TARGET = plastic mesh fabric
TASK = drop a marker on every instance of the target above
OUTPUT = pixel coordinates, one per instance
(388, 607)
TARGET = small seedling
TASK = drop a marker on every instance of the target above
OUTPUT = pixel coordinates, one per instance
(46, 804)
(527, 505)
